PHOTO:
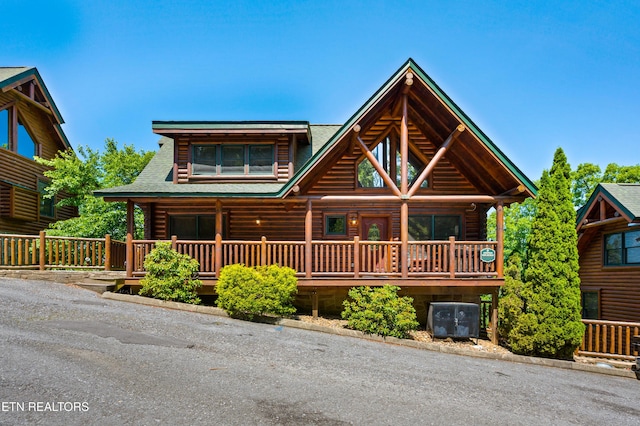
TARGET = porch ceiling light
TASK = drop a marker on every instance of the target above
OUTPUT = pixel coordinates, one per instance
(258, 221)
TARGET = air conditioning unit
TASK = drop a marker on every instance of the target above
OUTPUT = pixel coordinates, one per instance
(454, 319)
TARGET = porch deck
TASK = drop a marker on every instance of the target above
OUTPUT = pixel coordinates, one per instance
(341, 263)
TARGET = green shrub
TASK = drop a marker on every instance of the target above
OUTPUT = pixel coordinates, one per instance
(246, 292)
(170, 275)
(380, 311)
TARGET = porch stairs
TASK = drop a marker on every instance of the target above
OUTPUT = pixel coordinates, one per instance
(102, 281)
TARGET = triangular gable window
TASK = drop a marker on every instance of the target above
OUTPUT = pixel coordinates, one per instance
(388, 156)
(26, 145)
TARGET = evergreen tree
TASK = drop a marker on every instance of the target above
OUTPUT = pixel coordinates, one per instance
(551, 325)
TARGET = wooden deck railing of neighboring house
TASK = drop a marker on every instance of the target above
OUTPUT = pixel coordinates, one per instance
(609, 339)
(352, 259)
(51, 252)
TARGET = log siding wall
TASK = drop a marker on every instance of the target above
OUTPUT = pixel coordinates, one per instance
(619, 287)
(279, 221)
(19, 203)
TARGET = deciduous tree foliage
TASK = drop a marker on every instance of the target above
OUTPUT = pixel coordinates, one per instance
(517, 224)
(551, 324)
(584, 179)
(79, 173)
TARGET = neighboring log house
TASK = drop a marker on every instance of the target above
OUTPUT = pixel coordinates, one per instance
(609, 247)
(397, 194)
(29, 126)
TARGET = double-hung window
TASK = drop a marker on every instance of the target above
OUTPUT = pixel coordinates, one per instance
(232, 160)
(622, 248)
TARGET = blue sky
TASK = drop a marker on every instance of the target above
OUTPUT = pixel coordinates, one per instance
(532, 75)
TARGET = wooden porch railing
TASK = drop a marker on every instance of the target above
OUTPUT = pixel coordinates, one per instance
(609, 339)
(51, 252)
(331, 258)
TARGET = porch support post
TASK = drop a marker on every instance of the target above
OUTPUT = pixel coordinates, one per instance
(131, 223)
(404, 239)
(107, 252)
(314, 304)
(308, 236)
(494, 316)
(404, 147)
(263, 251)
(452, 257)
(218, 255)
(43, 250)
(434, 161)
(218, 217)
(356, 257)
(376, 165)
(500, 238)
(129, 262)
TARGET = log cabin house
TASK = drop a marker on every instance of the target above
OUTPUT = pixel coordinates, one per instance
(29, 126)
(608, 229)
(397, 194)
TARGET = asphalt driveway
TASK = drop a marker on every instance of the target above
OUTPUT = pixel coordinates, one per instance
(70, 357)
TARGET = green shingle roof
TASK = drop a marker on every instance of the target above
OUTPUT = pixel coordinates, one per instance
(626, 196)
(6, 73)
(157, 180)
(9, 75)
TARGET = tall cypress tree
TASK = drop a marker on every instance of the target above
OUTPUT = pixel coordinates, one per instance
(552, 325)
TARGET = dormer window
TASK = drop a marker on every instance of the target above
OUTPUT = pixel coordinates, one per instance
(228, 160)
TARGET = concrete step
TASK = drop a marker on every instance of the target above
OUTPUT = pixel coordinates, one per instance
(101, 284)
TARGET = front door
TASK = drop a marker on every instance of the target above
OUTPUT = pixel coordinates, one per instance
(375, 257)
(375, 228)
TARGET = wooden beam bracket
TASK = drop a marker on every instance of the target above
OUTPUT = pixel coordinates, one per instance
(376, 165)
(434, 161)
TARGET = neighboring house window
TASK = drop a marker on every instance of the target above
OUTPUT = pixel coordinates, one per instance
(26, 146)
(195, 227)
(335, 224)
(433, 227)
(591, 305)
(232, 160)
(388, 156)
(4, 129)
(622, 248)
(47, 205)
